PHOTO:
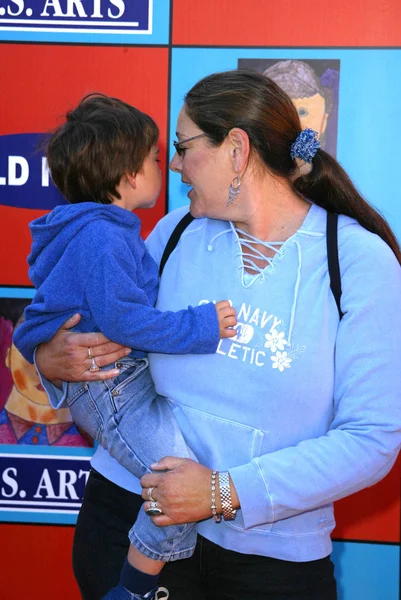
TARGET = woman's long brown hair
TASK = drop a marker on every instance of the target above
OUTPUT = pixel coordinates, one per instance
(256, 104)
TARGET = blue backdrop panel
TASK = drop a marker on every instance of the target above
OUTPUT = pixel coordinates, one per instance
(367, 571)
(369, 127)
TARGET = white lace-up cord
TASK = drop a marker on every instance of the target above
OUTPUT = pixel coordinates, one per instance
(297, 284)
(214, 238)
(248, 259)
(164, 591)
(276, 247)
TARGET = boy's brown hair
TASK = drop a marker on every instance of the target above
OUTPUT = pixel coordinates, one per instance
(102, 139)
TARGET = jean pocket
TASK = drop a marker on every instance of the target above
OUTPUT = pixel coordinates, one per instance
(131, 385)
(74, 392)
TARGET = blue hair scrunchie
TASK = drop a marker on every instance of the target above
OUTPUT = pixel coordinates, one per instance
(306, 145)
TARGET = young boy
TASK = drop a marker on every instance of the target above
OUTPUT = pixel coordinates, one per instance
(88, 257)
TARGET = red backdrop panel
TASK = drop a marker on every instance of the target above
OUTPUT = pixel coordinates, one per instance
(36, 563)
(43, 82)
(372, 514)
(287, 23)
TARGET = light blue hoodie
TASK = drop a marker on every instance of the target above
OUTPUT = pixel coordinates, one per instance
(301, 409)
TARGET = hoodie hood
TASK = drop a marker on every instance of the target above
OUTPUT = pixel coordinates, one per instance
(53, 232)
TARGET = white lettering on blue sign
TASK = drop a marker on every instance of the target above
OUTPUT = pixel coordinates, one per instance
(80, 16)
(42, 483)
(25, 180)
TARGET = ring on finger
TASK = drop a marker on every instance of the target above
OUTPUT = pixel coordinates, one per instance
(150, 497)
(93, 366)
(89, 352)
(154, 510)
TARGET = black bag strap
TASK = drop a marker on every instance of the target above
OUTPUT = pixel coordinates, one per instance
(332, 252)
(174, 239)
(332, 259)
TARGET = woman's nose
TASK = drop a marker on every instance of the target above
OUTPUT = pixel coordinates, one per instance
(175, 163)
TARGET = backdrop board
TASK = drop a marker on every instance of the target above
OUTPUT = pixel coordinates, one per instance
(341, 65)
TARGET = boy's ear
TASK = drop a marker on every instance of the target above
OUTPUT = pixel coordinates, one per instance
(131, 178)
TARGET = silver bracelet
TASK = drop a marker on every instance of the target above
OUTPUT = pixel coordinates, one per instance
(216, 517)
(225, 495)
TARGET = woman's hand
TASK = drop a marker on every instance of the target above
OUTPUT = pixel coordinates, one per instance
(183, 492)
(65, 357)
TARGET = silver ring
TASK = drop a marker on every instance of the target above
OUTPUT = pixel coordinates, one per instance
(154, 510)
(89, 352)
(93, 366)
(150, 490)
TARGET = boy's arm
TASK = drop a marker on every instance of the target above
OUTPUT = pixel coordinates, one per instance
(122, 312)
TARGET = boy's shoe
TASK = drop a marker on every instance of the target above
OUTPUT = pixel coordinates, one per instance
(121, 593)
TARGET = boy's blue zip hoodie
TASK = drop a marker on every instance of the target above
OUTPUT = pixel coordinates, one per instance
(300, 408)
(89, 258)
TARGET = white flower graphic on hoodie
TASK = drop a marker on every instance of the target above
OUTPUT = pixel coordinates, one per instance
(281, 361)
(275, 340)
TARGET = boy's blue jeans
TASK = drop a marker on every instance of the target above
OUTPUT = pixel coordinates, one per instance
(137, 427)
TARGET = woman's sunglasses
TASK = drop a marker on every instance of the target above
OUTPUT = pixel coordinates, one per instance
(177, 145)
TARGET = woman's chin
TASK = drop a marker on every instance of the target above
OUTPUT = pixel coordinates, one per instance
(195, 212)
(194, 208)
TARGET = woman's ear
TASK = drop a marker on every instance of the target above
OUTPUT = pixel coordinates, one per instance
(239, 149)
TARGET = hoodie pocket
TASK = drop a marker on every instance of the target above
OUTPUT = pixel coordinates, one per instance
(218, 443)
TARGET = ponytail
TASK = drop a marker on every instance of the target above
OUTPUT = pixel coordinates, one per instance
(328, 186)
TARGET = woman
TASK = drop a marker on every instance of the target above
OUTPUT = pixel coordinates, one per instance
(301, 408)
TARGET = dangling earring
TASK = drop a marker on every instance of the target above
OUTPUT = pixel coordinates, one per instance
(233, 190)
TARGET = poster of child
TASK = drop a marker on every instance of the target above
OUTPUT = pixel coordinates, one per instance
(26, 416)
(313, 86)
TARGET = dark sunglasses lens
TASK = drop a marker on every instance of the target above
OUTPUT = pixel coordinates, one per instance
(178, 149)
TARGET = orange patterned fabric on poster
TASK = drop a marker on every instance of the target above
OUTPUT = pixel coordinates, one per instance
(26, 417)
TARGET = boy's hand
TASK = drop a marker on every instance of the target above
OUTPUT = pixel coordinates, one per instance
(227, 318)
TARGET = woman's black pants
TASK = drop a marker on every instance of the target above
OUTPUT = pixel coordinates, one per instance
(212, 573)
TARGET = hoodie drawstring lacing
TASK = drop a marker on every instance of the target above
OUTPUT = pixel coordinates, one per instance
(210, 245)
(244, 239)
(297, 284)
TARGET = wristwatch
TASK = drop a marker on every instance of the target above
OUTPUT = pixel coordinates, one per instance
(225, 497)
